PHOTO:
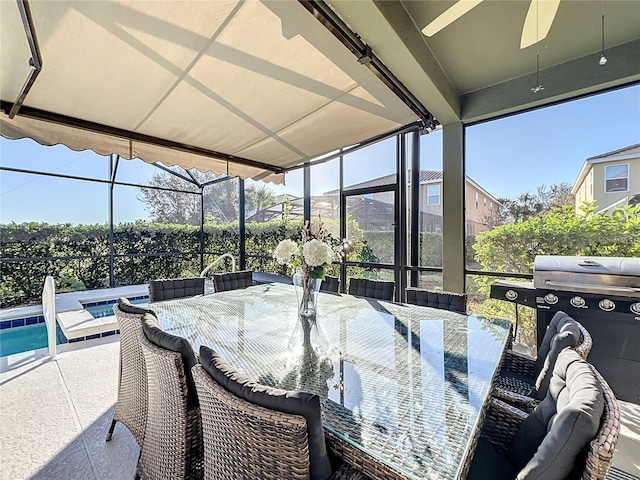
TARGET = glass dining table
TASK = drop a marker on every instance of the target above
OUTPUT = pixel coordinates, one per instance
(403, 388)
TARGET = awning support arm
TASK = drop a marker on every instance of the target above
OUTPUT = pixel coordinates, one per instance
(35, 61)
(325, 15)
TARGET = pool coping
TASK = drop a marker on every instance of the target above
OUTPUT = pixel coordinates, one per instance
(65, 300)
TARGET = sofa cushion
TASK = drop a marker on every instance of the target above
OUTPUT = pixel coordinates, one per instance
(297, 403)
(566, 329)
(174, 343)
(551, 442)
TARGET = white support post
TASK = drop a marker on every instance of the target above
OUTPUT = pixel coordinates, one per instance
(49, 312)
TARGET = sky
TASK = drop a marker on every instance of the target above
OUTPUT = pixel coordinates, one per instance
(507, 157)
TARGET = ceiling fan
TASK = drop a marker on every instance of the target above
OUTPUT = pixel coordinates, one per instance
(536, 25)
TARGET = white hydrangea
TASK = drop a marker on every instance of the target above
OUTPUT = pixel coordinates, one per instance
(317, 253)
(285, 250)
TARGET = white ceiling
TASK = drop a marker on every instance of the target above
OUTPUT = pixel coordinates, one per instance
(474, 67)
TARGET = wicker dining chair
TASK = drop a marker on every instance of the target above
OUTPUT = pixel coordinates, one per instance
(172, 447)
(571, 434)
(131, 406)
(523, 380)
(253, 431)
(169, 289)
(455, 302)
(224, 282)
(371, 288)
(330, 284)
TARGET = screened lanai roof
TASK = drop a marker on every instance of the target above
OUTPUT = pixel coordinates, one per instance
(246, 88)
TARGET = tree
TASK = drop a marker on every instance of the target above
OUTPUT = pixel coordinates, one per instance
(513, 248)
(220, 199)
(169, 206)
(258, 198)
(529, 205)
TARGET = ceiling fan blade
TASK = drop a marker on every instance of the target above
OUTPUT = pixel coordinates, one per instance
(449, 16)
(538, 22)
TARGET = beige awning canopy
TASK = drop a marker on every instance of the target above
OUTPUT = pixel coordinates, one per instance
(263, 83)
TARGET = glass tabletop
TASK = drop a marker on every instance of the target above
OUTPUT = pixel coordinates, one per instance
(404, 384)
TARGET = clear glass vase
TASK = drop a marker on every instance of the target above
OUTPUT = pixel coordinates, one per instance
(307, 333)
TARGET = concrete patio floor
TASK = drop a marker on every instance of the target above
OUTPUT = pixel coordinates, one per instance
(54, 416)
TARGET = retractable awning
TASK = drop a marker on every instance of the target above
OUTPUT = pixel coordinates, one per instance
(247, 88)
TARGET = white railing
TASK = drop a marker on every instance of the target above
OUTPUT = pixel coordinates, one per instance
(217, 260)
(49, 312)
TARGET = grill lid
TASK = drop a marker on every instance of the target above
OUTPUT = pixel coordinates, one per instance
(604, 275)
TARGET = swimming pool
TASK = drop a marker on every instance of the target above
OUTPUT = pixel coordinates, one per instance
(34, 336)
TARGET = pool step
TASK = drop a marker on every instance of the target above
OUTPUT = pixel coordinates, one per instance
(80, 323)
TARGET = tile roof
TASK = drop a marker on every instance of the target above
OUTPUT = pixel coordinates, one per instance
(425, 176)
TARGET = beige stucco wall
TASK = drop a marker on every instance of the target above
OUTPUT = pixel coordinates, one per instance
(603, 199)
(477, 217)
(593, 186)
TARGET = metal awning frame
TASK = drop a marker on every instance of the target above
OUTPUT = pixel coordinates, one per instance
(318, 9)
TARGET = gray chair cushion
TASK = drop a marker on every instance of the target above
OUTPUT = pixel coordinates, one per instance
(330, 284)
(127, 307)
(371, 288)
(297, 403)
(174, 343)
(160, 290)
(563, 332)
(455, 302)
(232, 280)
(552, 441)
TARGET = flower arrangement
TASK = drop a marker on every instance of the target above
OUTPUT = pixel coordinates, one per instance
(313, 255)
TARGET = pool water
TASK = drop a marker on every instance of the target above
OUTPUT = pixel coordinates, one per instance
(23, 339)
(33, 337)
(101, 311)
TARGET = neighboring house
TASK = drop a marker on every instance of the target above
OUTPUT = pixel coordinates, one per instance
(374, 211)
(610, 180)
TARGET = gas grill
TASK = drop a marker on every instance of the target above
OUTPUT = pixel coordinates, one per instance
(603, 294)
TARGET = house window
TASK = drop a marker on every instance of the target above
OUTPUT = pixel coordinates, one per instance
(616, 178)
(485, 202)
(433, 195)
(477, 201)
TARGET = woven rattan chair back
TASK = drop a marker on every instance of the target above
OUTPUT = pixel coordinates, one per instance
(172, 447)
(243, 440)
(603, 446)
(454, 302)
(169, 289)
(371, 288)
(224, 282)
(330, 284)
(131, 407)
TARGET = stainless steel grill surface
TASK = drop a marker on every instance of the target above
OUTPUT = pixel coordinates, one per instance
(604, 275)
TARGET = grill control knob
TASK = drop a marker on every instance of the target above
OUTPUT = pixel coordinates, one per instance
(635, 308)
(511, 294)
(551, 298)
(577, 301)
(606, 305)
